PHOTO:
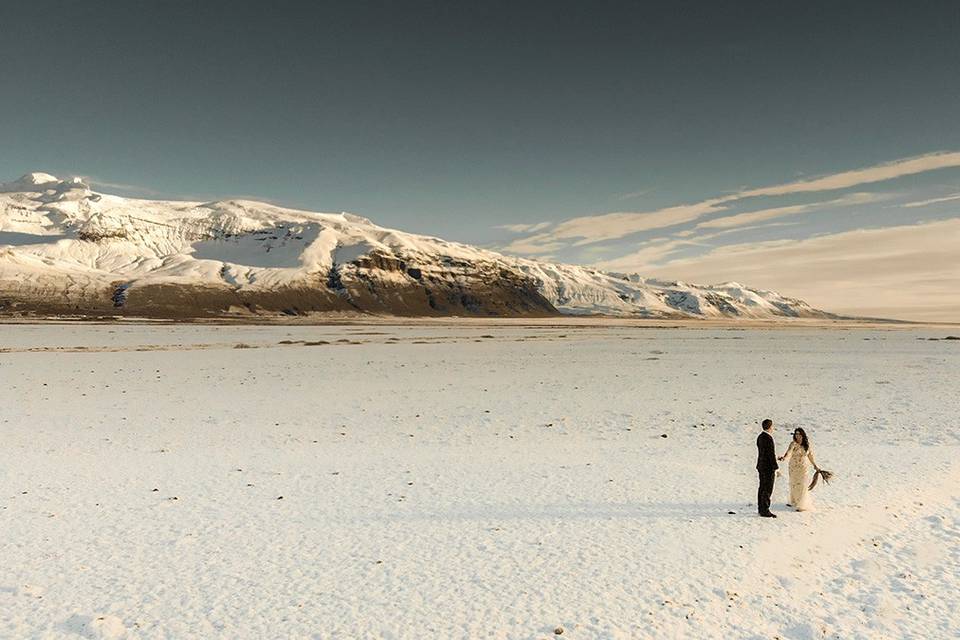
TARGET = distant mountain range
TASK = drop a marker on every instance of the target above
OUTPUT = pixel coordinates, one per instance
(66, 250)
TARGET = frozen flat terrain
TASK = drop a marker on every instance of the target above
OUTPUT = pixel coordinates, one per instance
(473, 482)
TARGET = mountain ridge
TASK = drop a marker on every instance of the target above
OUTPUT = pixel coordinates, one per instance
(68, 250)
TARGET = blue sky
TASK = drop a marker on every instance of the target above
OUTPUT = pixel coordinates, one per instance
(466, 120)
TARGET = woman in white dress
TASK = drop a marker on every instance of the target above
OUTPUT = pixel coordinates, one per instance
(801, 459)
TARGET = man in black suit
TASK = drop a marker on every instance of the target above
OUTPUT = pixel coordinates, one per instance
(767, 467)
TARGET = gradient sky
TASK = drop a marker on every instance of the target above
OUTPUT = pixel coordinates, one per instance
(521, 126)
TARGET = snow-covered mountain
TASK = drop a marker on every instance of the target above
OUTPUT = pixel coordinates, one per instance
(65, 249)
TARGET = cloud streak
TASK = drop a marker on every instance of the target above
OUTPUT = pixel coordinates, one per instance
(753, 217)
(119, 186)
(633, 194)
(523, 228)
(924, 203)
(654, 251)
(590, 229)
(876, 173)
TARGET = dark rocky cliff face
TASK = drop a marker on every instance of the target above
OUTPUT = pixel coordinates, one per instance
(387, 284)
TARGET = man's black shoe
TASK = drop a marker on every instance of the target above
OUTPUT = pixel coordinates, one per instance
(768, 515)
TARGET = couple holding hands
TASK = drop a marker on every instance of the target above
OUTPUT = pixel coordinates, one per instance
(799, 455)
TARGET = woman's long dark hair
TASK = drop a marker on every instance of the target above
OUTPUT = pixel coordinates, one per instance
(804, 442)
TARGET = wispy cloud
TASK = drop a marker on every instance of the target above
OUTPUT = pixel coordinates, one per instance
(533, 246)
(876, 173)
(753, 217)
(524, 228)
(924, 203)
(608, 226)
(633, 194)
(650, 252)
(120, 186)
(656, 250)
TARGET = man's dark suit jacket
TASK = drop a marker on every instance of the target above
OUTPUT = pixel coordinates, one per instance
(766, 454)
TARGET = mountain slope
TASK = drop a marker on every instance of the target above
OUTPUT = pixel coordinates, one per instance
(65, 249)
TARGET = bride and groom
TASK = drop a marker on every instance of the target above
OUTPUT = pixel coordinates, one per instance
(800, 456)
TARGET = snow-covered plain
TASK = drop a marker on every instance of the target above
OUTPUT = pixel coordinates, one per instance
(467, 481)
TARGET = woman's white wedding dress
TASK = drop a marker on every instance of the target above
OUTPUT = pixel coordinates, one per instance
(800, 462)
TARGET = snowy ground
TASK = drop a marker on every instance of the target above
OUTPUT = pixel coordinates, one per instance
(478, 481)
